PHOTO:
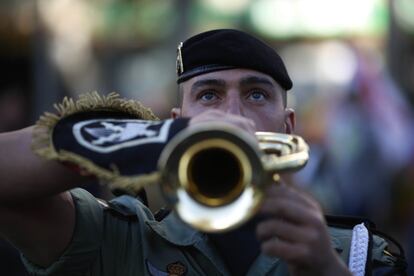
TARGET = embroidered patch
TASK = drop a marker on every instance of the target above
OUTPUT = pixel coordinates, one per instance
(176, 269)
(108, 135)
(173, 269)
(155, 271)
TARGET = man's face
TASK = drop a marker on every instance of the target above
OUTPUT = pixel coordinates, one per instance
(243, 92)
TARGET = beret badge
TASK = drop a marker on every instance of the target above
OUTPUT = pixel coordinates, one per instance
(179, 62)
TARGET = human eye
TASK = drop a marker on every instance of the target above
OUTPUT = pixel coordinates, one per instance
(257, 96)
(208, 96)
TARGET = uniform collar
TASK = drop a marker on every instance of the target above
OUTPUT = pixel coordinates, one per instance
(172, 229)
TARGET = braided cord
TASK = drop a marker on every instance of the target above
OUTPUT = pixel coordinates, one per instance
(359, 250)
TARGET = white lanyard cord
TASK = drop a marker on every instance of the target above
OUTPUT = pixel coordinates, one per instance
(359, 250)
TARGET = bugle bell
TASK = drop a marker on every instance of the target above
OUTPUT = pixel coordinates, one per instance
(215, 176)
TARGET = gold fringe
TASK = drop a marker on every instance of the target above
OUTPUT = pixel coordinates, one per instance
(129, 184)
(42, 143)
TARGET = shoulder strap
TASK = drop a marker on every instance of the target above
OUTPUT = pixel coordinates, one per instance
(161, 214)
(348, 221)
(119, 210)
(392, 240)
(397, 258)
(140, 195)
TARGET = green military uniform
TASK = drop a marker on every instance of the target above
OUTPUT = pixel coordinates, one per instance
(98, 135)
(127, 241)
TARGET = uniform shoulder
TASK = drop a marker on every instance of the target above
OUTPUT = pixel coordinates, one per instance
(350, 235)
(126, 207)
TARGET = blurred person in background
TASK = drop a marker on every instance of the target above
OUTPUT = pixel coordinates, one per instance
(12, 117)
(223, 75)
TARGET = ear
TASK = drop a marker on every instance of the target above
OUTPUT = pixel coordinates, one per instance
(175, 112)
(290, 120)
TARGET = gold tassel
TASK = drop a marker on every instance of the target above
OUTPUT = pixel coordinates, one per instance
(42, 143)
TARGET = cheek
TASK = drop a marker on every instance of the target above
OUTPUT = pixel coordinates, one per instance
(268, 120)
(190, 108)
(186, 107)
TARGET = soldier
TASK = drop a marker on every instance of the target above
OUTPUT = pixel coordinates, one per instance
(223, 75)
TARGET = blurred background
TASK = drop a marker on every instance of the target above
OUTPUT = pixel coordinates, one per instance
(352, 63)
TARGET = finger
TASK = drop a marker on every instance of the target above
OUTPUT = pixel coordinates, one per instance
(242, 122)
(293, 193)
(218, 116)
(285, 231)
(281, 229)
(290, 252)
(287, 191)
(289, 210)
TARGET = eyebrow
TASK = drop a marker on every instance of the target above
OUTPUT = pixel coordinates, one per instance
(256, 80)
(207, 82)
(248, 80)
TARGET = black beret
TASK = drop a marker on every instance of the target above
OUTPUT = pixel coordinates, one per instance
(228, 49)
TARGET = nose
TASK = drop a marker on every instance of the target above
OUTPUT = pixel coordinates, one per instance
(234, 104)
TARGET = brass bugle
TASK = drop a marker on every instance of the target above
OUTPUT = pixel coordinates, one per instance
(215, 176)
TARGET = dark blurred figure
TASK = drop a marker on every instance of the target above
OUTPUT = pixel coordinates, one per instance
(14, 114)
(403, 210)
(10, 263)
(13, 110)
